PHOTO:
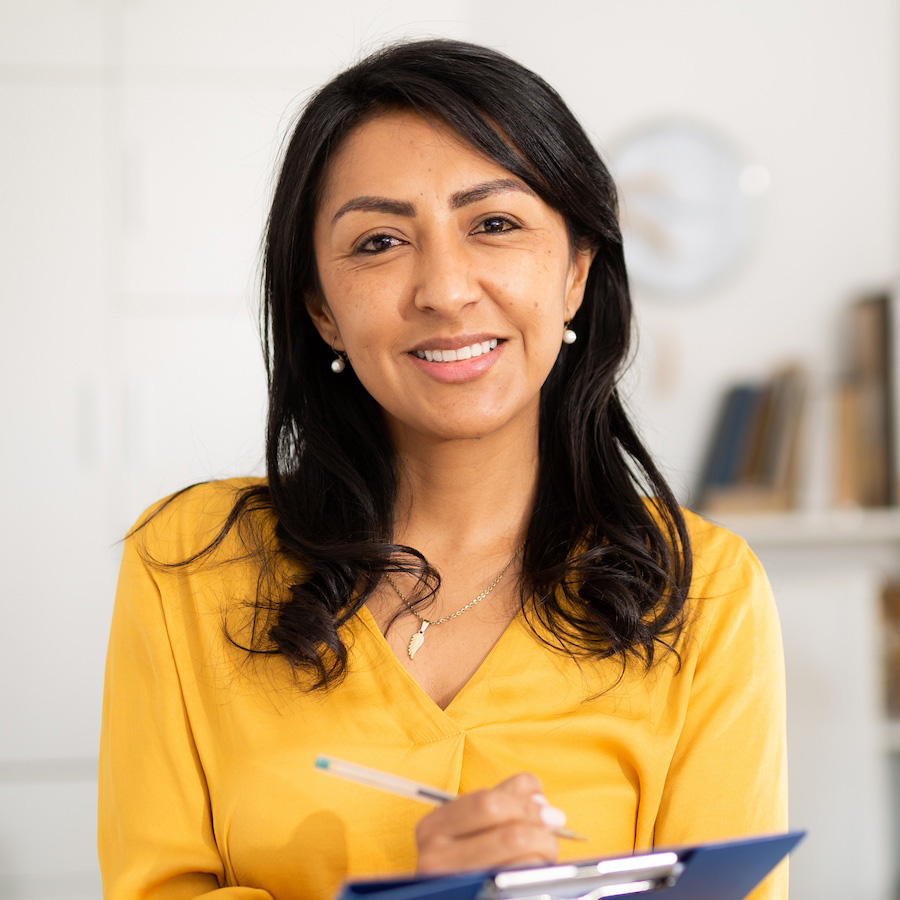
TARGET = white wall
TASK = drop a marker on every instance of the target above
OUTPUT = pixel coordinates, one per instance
(137, 142)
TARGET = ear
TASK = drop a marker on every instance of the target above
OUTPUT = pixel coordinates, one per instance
(579, 269)
(323, 320)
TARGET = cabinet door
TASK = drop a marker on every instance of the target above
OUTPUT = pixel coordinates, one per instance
(58, 545)
(828, 603)
(55, 531)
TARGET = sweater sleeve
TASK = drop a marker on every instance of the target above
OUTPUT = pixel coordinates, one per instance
(728, 774)
(156, 837)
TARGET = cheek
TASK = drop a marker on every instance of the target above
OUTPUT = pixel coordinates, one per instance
(541, 294)
(359, 314)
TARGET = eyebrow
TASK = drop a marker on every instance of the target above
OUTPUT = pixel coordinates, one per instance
(487, 189)
(376, 204)
(457, 200)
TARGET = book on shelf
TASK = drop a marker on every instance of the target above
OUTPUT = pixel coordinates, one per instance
(754, 453)
(752, 460)
(865, 405)
(890, 609)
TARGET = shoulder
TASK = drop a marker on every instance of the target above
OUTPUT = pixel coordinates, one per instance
(182, 525)
(715, 548)
(189, 558)
(188, 583)
(730, 594)
(721, 561)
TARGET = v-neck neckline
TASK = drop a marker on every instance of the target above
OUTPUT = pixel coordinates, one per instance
(454, 710)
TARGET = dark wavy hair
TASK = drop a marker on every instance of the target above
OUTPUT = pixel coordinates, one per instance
(606, 564)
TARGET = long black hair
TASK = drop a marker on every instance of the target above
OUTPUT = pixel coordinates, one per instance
(606, 565)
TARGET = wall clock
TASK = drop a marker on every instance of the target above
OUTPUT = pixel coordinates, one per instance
(687, 205)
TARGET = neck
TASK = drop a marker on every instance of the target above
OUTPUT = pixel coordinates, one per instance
(471, 496)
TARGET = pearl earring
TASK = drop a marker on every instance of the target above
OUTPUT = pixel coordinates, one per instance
(337, 364)
(569, 336)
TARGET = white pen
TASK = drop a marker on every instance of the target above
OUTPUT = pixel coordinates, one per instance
(403, 787)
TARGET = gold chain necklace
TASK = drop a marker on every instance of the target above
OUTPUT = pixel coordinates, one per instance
(416, 641)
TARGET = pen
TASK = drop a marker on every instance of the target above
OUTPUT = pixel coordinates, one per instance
(403, 787)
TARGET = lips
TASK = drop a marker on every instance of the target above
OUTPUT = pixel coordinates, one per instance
(459, 359)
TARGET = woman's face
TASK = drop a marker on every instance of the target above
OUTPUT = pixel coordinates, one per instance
(444, 278)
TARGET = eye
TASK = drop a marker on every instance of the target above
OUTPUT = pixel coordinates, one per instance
(378, 243)
(495, 225)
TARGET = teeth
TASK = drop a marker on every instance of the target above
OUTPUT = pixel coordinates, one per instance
(461, 353)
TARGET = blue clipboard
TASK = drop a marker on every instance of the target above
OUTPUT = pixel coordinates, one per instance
(728, 870)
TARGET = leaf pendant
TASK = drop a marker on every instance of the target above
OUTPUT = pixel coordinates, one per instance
(416, 641)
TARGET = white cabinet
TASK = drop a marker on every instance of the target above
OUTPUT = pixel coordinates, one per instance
(59, 566)
(827, 572)
(53, 368)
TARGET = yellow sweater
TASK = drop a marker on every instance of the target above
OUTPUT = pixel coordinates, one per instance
(207, 782)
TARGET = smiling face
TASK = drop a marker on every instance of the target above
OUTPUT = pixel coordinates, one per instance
(444, 278)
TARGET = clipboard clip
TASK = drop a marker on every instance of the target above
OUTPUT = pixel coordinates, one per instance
(592, 881)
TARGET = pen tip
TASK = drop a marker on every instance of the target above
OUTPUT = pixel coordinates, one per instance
(568, 833)
(321, 762)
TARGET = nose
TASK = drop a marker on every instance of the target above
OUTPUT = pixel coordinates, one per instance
(446, 281)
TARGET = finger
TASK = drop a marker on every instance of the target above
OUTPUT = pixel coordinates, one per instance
(515, 843)
(523, 783)
(529, 788)
(511, 801)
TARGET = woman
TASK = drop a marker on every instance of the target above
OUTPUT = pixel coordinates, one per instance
(451, 571)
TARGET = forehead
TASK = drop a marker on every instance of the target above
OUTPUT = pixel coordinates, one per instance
(400, 152)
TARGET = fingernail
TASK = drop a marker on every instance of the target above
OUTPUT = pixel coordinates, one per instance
(550, 815)
(553, 817)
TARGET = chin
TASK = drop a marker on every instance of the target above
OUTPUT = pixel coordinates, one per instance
(463, 434)
(473, 428)
(468, 421)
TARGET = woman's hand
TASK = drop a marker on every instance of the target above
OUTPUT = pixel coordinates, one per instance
(510, 824)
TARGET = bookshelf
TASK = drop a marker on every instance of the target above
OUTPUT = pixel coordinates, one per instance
(828, 569)
(892, 736)
(836, 433)
(799, 528)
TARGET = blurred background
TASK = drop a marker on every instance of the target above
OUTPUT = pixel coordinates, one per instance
(758, 149)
